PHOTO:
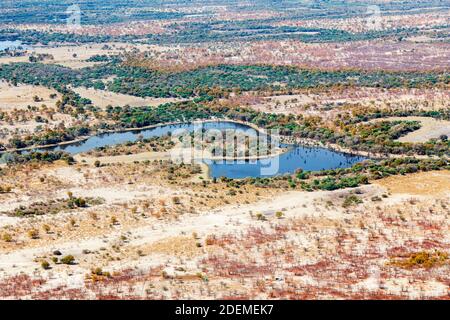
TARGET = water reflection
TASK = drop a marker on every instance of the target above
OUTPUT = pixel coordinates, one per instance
(305, 157)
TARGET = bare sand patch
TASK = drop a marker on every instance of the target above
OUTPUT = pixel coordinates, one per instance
(423, 183)
(286, 101)
(74, 56)
(21, 96)
(231, 248)
(420, 39)
(102, 98)
(176, 246)
(6, 60)
(130, 158)
(431, 128)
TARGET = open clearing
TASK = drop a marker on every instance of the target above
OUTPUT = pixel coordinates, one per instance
(431, 128)
(222, 243)
(423, 183)
(21, 96)
(74, 56)
(67, 56)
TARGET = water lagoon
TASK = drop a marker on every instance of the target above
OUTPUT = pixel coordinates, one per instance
(296, 157)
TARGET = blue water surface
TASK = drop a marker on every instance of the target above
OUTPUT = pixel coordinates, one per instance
(297, 157)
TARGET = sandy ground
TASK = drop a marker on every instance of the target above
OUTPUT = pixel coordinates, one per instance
(21, 96)
(144, 156)
(285, 101)
(101, 98)
(63, 56)
(6, 60)
(216, 221)
(19, 120)
(431, 128)
(142, 243)
(175, 153)
(75, 56)
(169, 244)
(423, 183)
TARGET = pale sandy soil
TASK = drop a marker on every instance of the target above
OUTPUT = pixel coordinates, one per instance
(23, 128)
(6, 60)
(420, 39)
(21, 96)
(101, 98)
(62, 56)
(172, 245)
(75, 56)
(176, 242)
(178, 153)
(423, 183)
(130, 158)
(278, 102)
(19, 120)
(216, 221)
(431, 128)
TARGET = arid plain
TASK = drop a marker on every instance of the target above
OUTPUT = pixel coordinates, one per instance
(92, 206)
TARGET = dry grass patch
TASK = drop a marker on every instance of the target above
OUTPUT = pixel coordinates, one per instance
(175, 246)
(422, 259)
(423, 183)
(21, 96)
